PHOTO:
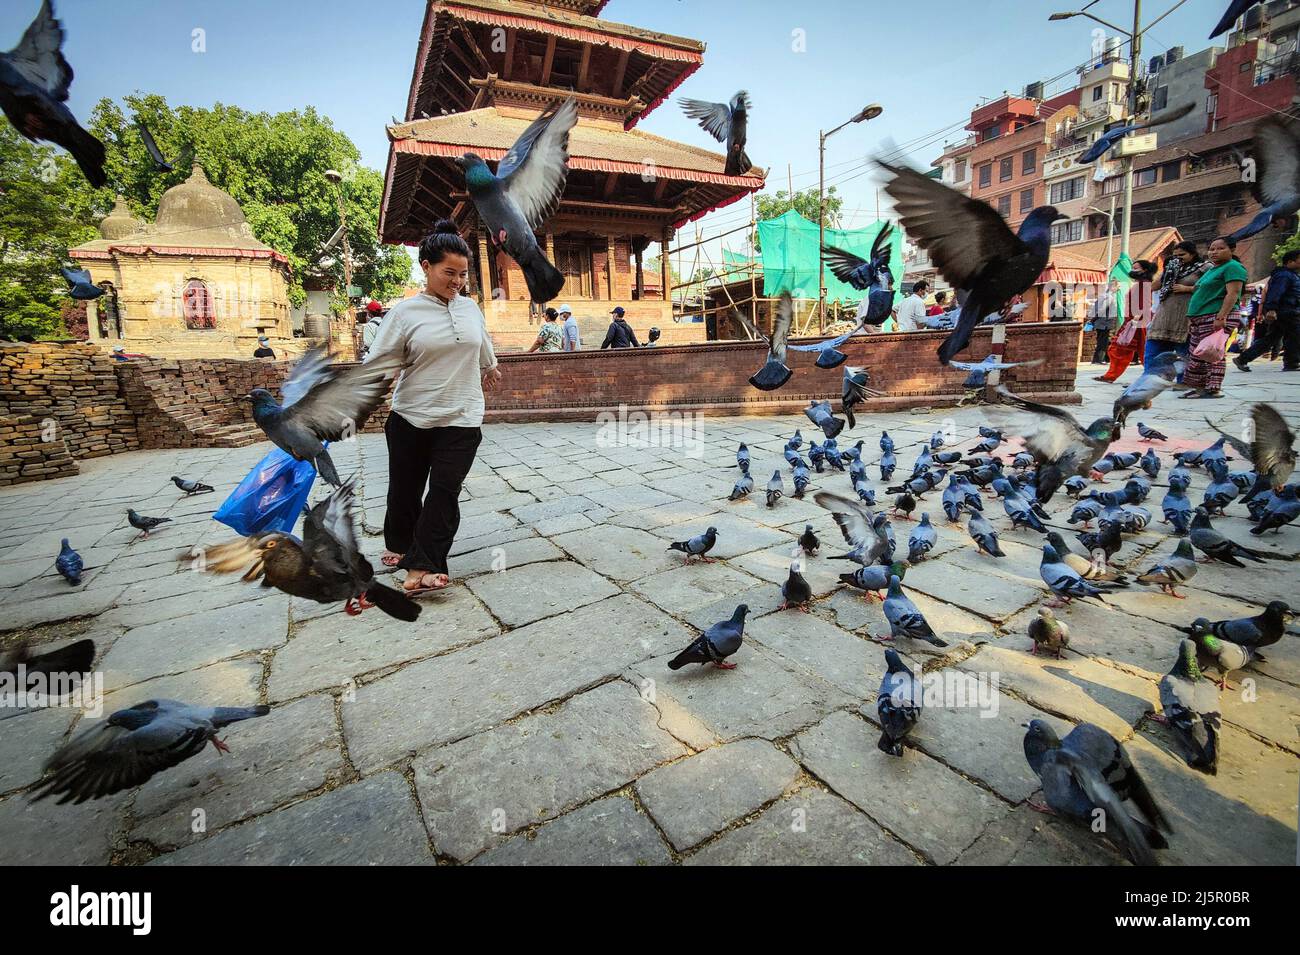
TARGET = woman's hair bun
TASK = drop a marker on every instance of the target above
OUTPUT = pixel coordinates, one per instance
(445, 227)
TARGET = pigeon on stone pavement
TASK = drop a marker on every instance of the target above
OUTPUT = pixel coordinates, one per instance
(191, 487)
(699, 545)
(715, 644)
(808, 541)
(898, 703)
(985, 537)
(1190, 702)
(1178, 568)
(796, 590)
(775, 489)
(1215, 546)
(922, 540)
(144, 524)
(905, 620)
(69, 563)
(1048, 634)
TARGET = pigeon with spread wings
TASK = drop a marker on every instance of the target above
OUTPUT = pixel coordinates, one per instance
(1061, 446)
(1107, 140)
(34, 81)
(870, 275)
(1271, 449)
(727, 123)
(1276, 173)
(971, 245)
(515, 201)
(774, 372)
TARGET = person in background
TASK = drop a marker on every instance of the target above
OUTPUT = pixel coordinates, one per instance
(1168, 328)
(549, 336)
(1101, 316)
(121, 354)
(1280, 318)
(374, 318)
(911, 310)
(1213, 300)
(434, 428)
(264, 349)
(1131, 340)
(939, 306)
(653, 335)
(620, 334)
(571, 340)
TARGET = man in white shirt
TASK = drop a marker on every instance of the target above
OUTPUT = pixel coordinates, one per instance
(911, 310)
(570, 339)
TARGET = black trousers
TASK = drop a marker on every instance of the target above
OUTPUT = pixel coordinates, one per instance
(439, 458)
(1284, 330)
(1103, 345)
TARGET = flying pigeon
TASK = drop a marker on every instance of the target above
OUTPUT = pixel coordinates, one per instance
(774, 372)
(992, 363)
(1276, 184)
(82, 288)
(699, 545)
(191, 487)
(134, 744)
(795, 591)
(1109, 138)
(898, 703)
(1191, 709)
(144, 524)
(857, 525)
(1271, 450)
(34, 81)
(326, 565)
(1178, 568)
(715, 644)
(1048, 634)
(1087, 776)
(1215, 546)
(875, 577)
(905, 620)
(1156, 377)
(775, 489)
(828, 353)
(743, 486)
(1064, 581)
(971, 246)
(854, 391)
(514, 202)
(1236, 9)
(922, 540)
(820, 414)
(155, 153)
(727, 123)
(69, 563)
(808, 541)
(1150, 434)
(322, 402)
(984, 536)
(75, 658)
(1060, 444)
(1280, 511)
(872, 276)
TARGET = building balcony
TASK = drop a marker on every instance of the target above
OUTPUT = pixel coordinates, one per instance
(1103, 112)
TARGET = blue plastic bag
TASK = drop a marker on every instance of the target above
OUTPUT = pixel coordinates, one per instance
(271, 497)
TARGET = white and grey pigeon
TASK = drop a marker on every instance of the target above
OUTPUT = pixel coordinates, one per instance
(1190, 702)
(984, 536)
(922, 540)
(715, 644)
(1175, 570)
(857, 524)
(1157, 377)
(905, 620)
(775, 489)
(133, 744)
(742, 487)
(1064, 580)
(898, 703)
(191, 487)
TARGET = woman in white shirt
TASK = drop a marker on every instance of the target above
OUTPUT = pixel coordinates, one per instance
(433, 429)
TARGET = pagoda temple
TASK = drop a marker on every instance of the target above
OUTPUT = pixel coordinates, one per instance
(484, 70)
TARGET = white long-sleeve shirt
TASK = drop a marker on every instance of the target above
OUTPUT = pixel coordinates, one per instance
(445, 350)
(910, 312)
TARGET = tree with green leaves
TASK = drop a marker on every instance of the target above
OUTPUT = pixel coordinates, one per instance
(46, 207)
(806, 202)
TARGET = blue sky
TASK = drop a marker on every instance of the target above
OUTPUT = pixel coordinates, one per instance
(926, 63)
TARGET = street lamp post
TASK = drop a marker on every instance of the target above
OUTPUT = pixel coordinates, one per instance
(870, 111)
(1134, 59)
(337, 178)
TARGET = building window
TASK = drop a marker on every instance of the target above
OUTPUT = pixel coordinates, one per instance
(1075, 188)
(1170, 171)
(993, 132)
(1004, 204)
(1112, 185)
(1096, 94)
(1067, 231)
(1160, 99)
(1144, 177)
(1006, 169)
(959, 171)
(1028, 162)
(1026, 199)
(198, 307)
(986, 175)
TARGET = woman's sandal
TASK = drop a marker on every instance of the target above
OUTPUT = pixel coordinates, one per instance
(424, 588)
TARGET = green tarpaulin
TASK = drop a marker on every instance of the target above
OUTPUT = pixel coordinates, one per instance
(1120, 273)
(789, 244)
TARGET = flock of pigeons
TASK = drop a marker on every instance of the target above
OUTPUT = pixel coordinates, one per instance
(978, 254)
(1088, 769)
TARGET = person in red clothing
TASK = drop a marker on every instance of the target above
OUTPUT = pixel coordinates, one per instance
(1131, 340)
(940, 303)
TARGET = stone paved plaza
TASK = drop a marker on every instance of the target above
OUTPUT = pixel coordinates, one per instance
(529, 717)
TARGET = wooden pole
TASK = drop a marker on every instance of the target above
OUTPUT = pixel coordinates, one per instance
(484, 271)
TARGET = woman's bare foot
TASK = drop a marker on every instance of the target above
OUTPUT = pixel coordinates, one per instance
(418, 581)
(389, 559)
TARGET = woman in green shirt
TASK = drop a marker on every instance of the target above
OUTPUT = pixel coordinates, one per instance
(1213, 299)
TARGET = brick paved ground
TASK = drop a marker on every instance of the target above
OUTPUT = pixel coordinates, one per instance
(529, 717)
